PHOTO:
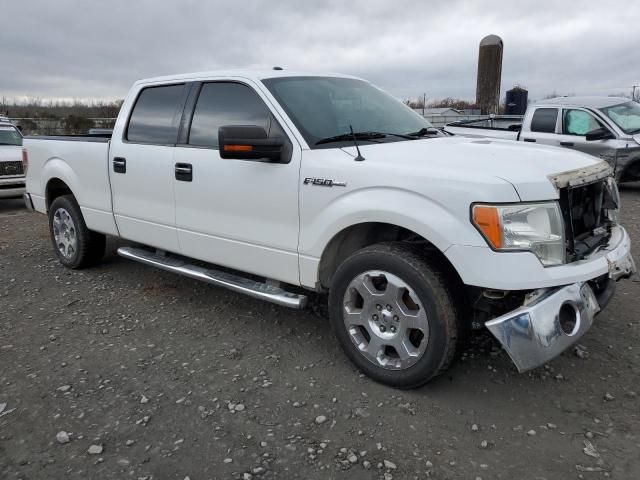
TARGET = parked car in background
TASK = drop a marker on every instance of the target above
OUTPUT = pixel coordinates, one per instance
(605, 127)
(297, 182)
(13, 160)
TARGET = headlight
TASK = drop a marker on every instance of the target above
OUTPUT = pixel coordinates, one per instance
(533, 227)
(612, 205)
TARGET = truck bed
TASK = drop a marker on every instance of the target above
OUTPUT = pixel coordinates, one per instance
(81, 162)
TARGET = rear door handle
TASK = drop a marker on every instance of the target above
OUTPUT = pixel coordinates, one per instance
(532, 140)
(184, 172)
(567, 144)
(119, 165)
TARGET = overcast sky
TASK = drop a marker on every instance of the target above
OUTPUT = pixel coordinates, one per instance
(96, 49)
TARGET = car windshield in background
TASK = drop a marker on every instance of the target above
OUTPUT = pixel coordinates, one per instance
(10, 136)
(626, 116)
(326, 108)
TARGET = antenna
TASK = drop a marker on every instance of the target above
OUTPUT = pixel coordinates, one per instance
(359, 158)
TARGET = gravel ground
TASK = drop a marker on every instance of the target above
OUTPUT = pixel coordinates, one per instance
(123, 371)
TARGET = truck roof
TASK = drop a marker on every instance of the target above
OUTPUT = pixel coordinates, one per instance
(241, 73)
(590, 102)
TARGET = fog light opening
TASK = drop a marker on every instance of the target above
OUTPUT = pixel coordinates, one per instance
(569, 318)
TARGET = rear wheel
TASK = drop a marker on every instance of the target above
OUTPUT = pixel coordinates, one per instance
(395, 314)
(75, 245)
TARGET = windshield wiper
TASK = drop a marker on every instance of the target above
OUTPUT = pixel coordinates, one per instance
(423, 132)
(347, 137)
(363, 136)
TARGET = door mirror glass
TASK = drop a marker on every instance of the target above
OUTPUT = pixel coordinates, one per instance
(599, 134)
(249, 142)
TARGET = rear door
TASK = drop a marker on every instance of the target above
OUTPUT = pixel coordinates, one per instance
(543, 128)
(142, 167)
(236, 213)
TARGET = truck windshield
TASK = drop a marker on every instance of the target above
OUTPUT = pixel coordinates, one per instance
(328, 107)
(10, 136)
(626, 116)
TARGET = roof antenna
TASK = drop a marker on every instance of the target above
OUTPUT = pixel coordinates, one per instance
(359, 158)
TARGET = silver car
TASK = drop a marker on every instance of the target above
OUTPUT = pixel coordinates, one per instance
(13, 158)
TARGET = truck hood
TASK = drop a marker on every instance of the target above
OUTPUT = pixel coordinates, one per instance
(10, 153)
(529, 168)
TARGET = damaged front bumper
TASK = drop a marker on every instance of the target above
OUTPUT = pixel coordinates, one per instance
(552, 319)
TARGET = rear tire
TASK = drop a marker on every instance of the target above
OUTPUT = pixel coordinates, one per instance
(396, 313)
(75, 245)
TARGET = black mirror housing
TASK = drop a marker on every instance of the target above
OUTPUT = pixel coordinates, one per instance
(599, 134)
(249, 142)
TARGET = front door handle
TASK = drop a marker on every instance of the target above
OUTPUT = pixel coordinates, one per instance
(567, 144)
(184, 172)
(529, 140)
(119, 165)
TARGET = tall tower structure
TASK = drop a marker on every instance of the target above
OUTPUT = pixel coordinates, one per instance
(489, 74)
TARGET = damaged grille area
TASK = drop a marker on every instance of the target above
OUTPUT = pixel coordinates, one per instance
(589, 212)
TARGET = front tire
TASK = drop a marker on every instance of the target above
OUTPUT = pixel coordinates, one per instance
(75, 245)
(396, 314)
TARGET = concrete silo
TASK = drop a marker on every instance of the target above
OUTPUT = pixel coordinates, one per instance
(489, 74)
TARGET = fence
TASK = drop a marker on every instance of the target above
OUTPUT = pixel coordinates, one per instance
(442, 120)
(61, 126)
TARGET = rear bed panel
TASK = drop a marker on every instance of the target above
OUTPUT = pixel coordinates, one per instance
(71, 159)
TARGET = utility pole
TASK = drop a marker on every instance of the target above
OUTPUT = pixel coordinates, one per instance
(424, 102)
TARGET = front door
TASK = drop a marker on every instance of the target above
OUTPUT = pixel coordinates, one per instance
(576, 123)
(236, 213)
(141, 168)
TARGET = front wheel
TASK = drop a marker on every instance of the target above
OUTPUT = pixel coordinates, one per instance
(75, 245)
(395, 314)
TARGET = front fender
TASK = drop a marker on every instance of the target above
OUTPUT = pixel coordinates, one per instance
(421, 215)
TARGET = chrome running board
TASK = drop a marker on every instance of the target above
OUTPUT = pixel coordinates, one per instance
(260, 290)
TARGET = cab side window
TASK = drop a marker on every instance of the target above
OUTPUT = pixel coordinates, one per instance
(225, 103)
(578, 122)
(155, 116)
(544, 120)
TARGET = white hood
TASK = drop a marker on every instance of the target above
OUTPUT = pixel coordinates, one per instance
(10, 153)
(527, 167)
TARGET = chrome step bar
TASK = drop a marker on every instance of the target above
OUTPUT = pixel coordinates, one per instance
(260, 290)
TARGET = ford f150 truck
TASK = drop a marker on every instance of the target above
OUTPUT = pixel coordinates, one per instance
(13, 159)
(605, 127)
(277, 183)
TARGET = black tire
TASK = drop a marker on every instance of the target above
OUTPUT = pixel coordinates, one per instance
(90, 245)
(436, 288)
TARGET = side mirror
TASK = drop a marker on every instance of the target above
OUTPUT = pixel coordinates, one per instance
(599, 134)
(249, 142)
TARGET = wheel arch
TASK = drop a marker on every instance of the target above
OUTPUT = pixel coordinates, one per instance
(55, 188)
(355, 237)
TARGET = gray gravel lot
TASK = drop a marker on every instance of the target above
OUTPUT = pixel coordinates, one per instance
(123, 371)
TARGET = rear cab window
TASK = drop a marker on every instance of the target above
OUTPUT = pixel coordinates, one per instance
(156, 115)
(544, 120)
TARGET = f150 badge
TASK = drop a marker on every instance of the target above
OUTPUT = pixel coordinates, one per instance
(323, 182)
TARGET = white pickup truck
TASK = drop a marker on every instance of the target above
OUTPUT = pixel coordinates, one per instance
(605, 127)
(13, 159)
(277, 183)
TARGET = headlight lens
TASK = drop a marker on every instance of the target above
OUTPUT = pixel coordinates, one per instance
(534, 227)
(612, 212)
